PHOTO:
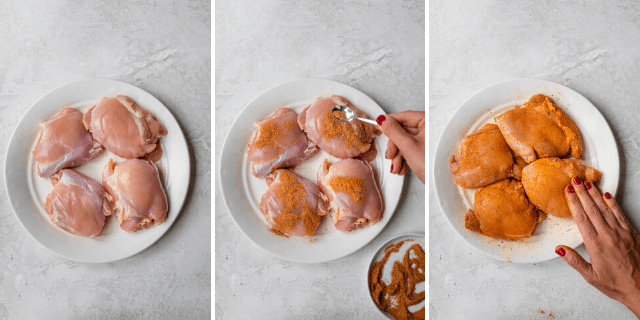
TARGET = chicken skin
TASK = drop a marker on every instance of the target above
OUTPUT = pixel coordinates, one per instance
(278, 142)
(354, 196)
(540, 129)
(77, 203)
(124, 128)
(545, 179)
(135, 188)
(483, 158)
(64, 143)
(292, 205)
(340, 139)
(502, 210)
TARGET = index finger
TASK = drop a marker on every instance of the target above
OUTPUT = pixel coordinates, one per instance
(409, 118)
(579, 216)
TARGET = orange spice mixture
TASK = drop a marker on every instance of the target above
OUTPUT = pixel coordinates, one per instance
(270, 134)
(295, 207)
(353, 186)
(396, 297)
(352, 133)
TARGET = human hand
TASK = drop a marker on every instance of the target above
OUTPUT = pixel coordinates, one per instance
(612, 243)
(405, 148)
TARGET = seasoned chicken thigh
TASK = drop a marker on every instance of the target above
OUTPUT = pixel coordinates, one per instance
(292, 204)
(540, 129)
(136, 190)
(483, 158)
(544, 181)
(502, 210)
(278, 142)
(339, 139)
(64, 143)
(354, 196)
(125, 129)
(77, 203)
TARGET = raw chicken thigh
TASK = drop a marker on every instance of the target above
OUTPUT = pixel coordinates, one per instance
(136, 190)
(124, 128)
(278, 142)
(353, 193)
(540, 129)
(544, 181)
(292, 204)
(77, 203)
(339, 139)
(483, 158)
(502, 210)
(64, 143)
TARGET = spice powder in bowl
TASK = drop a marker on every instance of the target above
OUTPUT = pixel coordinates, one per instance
(397, 279)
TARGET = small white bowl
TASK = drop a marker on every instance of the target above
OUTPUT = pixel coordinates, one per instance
(380, 254)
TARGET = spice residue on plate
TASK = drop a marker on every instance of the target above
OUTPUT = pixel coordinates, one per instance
(397, 281)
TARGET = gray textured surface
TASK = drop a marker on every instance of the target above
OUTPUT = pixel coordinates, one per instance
(592, 47)
(374, 46)
(162, 48)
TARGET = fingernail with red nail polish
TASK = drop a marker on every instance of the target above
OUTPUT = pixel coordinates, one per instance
(587, 185)
(392, 168)
(577, 180)
(607, 195)
(571, 189)
(561, 252)
(380, 119)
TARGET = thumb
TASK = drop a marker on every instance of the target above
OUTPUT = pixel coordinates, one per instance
(576, 261)
(394, 131)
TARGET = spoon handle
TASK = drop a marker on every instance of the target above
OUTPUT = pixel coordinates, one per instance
(367, 120)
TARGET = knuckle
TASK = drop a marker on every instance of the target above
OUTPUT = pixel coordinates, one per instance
(592, 210)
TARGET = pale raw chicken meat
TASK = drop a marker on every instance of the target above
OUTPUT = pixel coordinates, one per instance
(354, 196)
(278, 142)
(292, 205)
(339, 139)
(64, 143)
(135, 188)
(77, 203)
(125, 128)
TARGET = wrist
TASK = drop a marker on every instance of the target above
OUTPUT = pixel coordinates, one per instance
(632, 301)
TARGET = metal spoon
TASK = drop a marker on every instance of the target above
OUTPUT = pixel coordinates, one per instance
(349, 115)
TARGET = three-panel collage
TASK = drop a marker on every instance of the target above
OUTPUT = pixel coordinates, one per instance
(275, 159)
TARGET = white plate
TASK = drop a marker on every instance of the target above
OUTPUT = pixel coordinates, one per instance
(600, 152)
(27, 191)
(242, 191)
(380, 254)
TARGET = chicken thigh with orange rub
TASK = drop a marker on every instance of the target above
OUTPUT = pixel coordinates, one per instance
(540, 129)
(544, 181)
(483, 158)
(502, 210)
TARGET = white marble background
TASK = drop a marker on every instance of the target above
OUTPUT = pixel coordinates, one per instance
(374, 46)
(592, 47)
(163, 48)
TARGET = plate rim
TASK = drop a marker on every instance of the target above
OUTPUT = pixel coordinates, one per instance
(225, 196)
(6, 168)
(439, 149)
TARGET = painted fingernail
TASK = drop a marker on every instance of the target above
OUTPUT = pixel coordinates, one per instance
(607, 195)
(392, 168)
(380, 119)
(561, 252)
(577, 180)
(570, 189)
(587, 185)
